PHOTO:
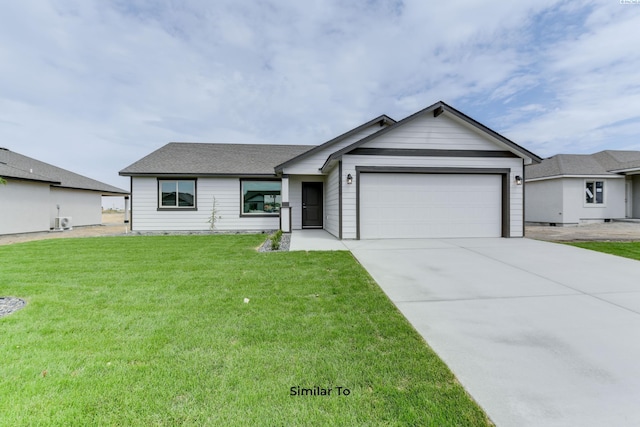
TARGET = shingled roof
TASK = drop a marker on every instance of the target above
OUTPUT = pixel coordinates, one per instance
(187, 159)
(17, 166)
(603, 163)
(617, 160)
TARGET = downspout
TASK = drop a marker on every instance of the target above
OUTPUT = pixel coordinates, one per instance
(340, 199)
(524, 193)
(130, 204)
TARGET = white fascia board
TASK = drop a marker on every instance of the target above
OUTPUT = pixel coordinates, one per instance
(630, 171)
(575, 176)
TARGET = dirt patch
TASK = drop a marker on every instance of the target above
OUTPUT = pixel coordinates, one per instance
(112, 225)
(606, 231)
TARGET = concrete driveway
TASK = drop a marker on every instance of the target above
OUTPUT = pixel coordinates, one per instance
(540, 334)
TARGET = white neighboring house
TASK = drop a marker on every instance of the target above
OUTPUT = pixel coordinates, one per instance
(36, 193)
(573, 189)
(437, 173)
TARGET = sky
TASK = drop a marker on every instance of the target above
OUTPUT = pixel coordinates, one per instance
(94, 85)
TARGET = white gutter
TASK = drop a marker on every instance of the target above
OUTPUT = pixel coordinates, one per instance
(575, 176)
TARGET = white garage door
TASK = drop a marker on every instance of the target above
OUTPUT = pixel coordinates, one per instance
(397, 205)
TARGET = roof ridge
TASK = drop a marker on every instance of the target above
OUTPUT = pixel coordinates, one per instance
(261, 144)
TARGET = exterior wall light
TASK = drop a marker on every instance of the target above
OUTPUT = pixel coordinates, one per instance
(518, 180)
(349, 179)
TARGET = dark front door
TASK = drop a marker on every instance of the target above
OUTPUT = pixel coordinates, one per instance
(312, 205)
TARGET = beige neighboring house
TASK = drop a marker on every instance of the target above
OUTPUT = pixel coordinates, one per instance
(38, 196)
(573, 189)
(437, 173)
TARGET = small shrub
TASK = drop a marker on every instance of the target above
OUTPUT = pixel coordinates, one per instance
(214, 216)
(275, 240)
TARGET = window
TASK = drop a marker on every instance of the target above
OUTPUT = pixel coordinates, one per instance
(594, 192)
(260, 197)
(178, 194)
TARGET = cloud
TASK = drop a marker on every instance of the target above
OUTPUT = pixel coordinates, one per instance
(590, 86)
(112, 81)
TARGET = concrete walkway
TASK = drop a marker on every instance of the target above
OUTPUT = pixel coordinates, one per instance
(540, 334)
(315, 240)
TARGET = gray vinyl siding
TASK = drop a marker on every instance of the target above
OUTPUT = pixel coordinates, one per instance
(635, 196)
(25, 207)
(437, 133)
(349, 191)
(576, 211)
(544, 201)
(332, 209)
(311, 165)
(84, 207)
(562, 201)
(147, 217)
(31, 206)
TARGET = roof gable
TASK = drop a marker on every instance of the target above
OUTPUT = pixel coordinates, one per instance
(199, 159)
(18, 166)
(438, 109)
(382, 121)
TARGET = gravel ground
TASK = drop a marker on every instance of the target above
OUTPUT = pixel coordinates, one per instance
(112, 225)
(10, 304)
(605, 231)
(285, 241)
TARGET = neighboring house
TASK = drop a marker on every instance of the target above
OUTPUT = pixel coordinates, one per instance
(36, 193)
(571, 189)
(437, 173)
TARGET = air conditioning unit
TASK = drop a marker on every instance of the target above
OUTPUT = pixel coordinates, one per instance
(63, 223)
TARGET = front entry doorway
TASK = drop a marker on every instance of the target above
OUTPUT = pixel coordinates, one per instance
(312, 205)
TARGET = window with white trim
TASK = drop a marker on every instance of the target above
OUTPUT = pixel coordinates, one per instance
(177, 194)
(594, 192)
(260, 197)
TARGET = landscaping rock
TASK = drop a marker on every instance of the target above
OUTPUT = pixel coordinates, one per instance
(285, 241)
(10, 304)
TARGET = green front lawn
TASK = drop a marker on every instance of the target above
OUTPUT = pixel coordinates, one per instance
(624, 249)
(156, 331)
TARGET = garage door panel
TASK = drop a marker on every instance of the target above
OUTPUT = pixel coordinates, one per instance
(430, 205)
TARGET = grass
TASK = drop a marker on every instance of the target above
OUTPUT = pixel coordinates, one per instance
(623, 249)
(154, 331)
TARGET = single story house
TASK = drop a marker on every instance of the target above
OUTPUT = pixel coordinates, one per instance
(437, 173)
(38, 196)
(572, 189)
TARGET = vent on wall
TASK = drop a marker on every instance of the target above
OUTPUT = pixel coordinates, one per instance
(63, 223)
